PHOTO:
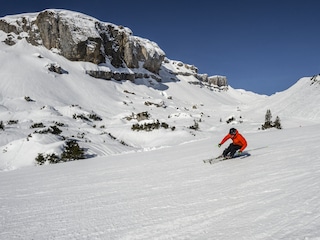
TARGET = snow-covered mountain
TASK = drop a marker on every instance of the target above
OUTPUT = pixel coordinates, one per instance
(150, 184)
(100, 114)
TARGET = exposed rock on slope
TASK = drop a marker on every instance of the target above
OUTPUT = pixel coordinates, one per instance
(82, 38)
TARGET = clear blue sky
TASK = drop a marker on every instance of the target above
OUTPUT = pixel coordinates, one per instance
(264, 46)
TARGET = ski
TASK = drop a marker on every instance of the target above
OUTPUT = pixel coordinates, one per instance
(221, 158)
(210, 160)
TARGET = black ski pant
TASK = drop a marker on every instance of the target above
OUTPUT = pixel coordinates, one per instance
(231, 150)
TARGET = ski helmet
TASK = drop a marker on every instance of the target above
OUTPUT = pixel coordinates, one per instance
(233, 131)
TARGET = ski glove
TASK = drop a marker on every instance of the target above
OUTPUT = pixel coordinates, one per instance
(219, 145)
(239, 152)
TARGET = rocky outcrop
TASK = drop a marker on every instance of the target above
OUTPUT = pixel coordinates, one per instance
(315, 79)
(54, 67)
(79, 37)
(183, 69)
(108, 75)
(218, 80)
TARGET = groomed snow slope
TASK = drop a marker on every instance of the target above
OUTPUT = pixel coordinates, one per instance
(170, 193)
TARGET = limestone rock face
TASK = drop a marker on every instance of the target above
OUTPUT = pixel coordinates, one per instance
(79, 37)
(218, 80)
(118, 54)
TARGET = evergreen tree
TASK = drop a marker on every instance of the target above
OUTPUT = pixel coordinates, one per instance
(72, 151)
(277, 123)
(267, 123)
(268, 117)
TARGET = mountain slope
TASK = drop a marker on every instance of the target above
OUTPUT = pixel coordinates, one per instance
(102, 115)
(300, 97)
(58, 97)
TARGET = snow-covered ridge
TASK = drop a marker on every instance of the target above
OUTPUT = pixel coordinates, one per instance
(300, 98)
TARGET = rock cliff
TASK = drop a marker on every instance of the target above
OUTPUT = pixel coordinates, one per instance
(79, 37)
(82, 38)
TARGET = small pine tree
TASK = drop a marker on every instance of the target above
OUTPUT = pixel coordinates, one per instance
(72, 151)
(268, 117)
(267, 122)
(1, 125)
(277, 123)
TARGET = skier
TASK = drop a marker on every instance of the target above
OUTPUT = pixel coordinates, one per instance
(238, 143)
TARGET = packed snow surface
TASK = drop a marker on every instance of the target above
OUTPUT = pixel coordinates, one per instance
(170, 193)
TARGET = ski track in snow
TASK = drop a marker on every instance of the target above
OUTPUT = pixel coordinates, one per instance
(170, 193)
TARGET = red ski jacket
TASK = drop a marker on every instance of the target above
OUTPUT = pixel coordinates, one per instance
(237, 139)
